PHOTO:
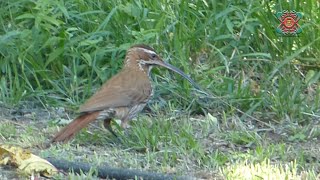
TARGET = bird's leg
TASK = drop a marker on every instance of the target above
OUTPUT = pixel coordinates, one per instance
(124, 123)
(107, 125)
(125, 126)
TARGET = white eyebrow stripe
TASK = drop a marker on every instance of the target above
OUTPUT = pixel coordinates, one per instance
(147, 50)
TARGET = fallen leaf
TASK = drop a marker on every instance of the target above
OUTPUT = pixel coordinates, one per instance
(25, 161)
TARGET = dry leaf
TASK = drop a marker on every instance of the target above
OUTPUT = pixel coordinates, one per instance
(25, 161)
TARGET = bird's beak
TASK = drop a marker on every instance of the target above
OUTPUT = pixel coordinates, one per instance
(174, 69)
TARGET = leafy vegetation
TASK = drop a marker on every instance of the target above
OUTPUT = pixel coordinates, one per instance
(266, 88)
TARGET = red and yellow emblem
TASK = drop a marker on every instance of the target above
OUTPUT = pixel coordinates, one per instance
(289, 22)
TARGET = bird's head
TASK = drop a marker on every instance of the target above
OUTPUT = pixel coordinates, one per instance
(144, 58)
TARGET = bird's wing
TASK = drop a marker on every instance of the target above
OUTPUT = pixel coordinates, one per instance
(125, 89)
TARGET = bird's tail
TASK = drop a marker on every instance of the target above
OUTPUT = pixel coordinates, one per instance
(75, 126)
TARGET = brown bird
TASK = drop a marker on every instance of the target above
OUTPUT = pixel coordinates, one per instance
(123, 96)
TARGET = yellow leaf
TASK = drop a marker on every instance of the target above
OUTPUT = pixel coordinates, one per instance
(4, 156)
(25, 161)
(37, 164)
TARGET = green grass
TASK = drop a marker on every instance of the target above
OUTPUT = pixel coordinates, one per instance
(206, 148)
(265, 87)
(266, 170)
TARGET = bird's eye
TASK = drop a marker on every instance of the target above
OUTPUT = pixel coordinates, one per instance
(153, 56)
